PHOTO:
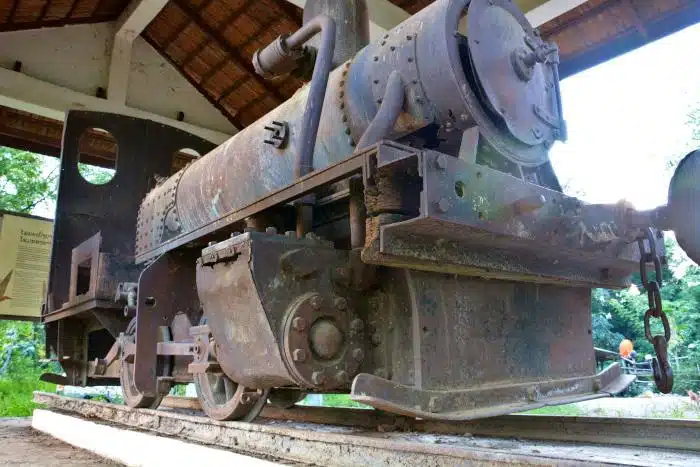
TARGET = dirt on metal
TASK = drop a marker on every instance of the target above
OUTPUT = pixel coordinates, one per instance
(22, 445)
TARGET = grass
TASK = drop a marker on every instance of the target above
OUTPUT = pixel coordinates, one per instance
(16, 394)
(341, 400)
(561, 410)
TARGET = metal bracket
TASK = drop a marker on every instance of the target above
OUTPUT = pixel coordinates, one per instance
(279, 134)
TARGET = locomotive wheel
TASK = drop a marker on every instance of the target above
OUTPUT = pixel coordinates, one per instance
(286, 398)
(132, 396)
(222, 399)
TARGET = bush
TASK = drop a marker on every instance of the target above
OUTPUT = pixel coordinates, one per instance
(16, 392)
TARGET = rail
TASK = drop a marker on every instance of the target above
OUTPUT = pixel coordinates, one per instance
(331, 436)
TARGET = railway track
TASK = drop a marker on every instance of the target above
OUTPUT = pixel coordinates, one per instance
(327, 436)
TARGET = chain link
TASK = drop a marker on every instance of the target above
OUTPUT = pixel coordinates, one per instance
(663, 374)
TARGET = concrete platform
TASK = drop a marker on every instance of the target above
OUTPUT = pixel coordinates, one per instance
(135, 448)
(20, 445)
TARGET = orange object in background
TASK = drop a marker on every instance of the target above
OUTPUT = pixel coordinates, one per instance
(626, 348)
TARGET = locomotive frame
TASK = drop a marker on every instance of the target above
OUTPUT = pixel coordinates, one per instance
(411, 250)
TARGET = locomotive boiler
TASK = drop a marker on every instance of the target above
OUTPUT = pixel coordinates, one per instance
(394, 231)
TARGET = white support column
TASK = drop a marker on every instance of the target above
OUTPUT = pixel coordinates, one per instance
(131, 23)
(23, 92)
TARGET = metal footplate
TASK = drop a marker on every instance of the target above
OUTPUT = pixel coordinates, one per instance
(478, 402)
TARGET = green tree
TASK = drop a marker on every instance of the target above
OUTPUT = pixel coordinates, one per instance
(95, 175)
(620, 314)
(22, 182)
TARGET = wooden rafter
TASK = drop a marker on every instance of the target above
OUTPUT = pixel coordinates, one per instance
(222, 63)
(180, 29)
(232, 87)
(73, 5)
(226, 21)
(13, 10)
(291, 12)
(231, 51)
(51, 23)
(212, 100)
(638, 23)
(214, 70)
(96, 10)
(576, 20)
(44, 9)
(250, 104)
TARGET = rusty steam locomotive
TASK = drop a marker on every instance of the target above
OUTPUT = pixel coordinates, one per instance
(394, 231)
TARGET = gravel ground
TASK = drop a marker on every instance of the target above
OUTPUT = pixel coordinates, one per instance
(20, 445)
(656, 406)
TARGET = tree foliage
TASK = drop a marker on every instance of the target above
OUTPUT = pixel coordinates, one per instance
(95, 175)
(620, 314)
(23, 184)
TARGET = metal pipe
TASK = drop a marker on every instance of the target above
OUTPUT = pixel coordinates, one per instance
(389, 111)
(351, 21)
(358, 213)
(317, 89)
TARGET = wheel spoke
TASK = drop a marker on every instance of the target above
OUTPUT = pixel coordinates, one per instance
(229, 388)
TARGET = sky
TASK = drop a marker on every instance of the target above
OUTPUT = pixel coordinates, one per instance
(627, 119)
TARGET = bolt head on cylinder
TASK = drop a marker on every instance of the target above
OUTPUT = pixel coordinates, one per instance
(326, 339)
(299, 324)
(324, 353)
(318, 378)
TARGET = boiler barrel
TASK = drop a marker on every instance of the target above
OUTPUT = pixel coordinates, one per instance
(437, 74)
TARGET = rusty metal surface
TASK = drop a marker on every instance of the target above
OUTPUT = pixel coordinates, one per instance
(352, 25)
(455, 279)
(95, 226)
(264, 295)
(166, 288)
(84, 209)
(517, 345)
(423, 50)
(525, 97)
(683, 202)
(341, 170)
(479, 221)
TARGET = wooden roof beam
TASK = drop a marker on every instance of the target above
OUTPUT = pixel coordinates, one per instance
(230, 18)
(233, 52)
(549, 10)
(130, 24)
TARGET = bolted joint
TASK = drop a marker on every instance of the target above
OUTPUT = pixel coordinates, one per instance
(249, 397)
(277, 58)
(443, 205)
(358, 354)
(357, 326)
(341, 303)
(299, 324)
(441, 162)
(434, 405)
(316, 301)
(342, 377)
(318, 378)
(299, 355)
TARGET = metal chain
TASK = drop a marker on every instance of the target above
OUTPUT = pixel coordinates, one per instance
(663, 374)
